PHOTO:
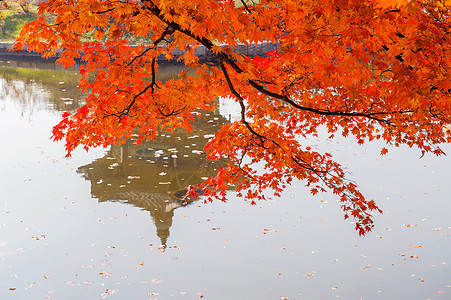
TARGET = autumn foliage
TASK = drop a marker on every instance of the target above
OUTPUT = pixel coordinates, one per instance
(375, 70)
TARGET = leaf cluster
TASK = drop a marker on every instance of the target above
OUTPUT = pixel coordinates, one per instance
(373, 70)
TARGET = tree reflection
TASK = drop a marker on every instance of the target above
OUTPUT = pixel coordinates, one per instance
(43, 89)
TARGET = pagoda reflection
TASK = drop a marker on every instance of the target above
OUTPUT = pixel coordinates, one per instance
(154, 175)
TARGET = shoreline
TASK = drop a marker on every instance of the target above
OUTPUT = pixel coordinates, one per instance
(205, 55)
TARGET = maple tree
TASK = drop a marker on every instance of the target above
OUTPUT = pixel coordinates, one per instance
(375, 70)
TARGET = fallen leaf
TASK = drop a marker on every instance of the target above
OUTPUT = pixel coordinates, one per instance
(156, 281)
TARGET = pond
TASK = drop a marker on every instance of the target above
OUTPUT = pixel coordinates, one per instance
(109, 223)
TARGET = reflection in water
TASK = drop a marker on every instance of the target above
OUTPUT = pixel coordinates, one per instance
(22, 78)
(154, 175)
(40, 89)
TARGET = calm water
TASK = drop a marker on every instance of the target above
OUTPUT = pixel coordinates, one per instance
(108, 223)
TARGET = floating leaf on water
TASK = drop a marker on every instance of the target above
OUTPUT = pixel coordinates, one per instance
(50, 295)
(41, 237)
(105, 274)
(156, 281)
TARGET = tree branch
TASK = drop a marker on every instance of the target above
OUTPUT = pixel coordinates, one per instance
(227, 58)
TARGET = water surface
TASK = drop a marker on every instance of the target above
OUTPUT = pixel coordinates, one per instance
(110, 222)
